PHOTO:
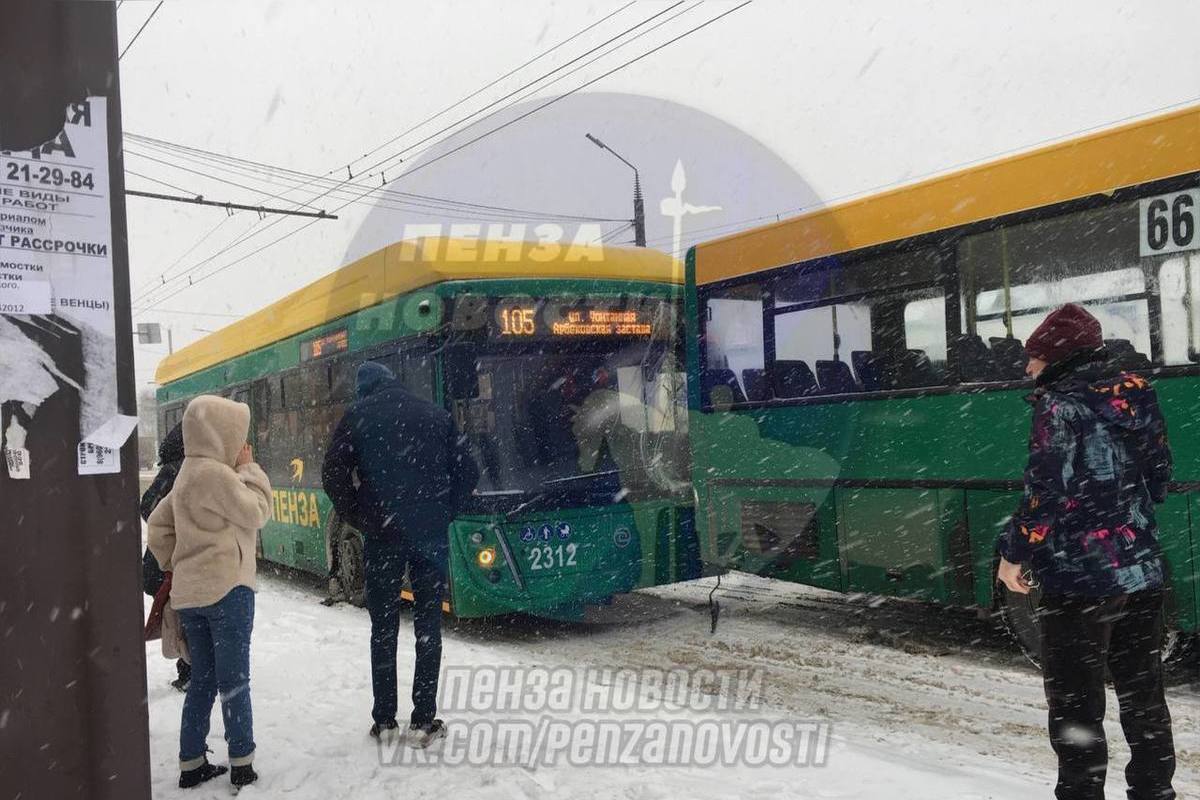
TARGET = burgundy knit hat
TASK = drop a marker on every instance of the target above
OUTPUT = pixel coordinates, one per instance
(1063, 332)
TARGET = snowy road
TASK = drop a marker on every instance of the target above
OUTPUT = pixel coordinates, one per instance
(922, 704)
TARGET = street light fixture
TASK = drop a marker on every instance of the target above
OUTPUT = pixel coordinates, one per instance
(639, 212)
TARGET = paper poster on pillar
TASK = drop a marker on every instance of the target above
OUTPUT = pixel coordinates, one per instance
(57, 319)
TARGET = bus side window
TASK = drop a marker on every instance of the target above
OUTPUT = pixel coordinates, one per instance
(1011, 277)
(418, 374)
(733, 338)
(342, 379)
(1179, 281)
(260, 409)
(860, 325)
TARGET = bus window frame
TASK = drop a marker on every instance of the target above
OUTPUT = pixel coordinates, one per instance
(945, 242)
(422, 344)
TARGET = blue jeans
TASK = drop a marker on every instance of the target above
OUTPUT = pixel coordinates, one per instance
(218, 638)
(383, 567)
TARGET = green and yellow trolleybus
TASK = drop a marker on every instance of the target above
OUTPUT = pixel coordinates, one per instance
(564, 367)
(856, 373)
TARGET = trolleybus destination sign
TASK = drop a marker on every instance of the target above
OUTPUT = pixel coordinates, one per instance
(541, 319)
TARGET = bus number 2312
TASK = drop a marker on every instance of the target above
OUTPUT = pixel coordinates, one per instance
(548, 557)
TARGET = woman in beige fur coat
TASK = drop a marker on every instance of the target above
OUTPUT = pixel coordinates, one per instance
(204, 532)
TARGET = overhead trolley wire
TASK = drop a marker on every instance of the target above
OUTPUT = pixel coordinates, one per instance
(427, 201)
(476, 139)
(519, 89)
(586, 84)
(160, 181)
(258, 231)
(255, 228)
(484, 88)
(139, 30)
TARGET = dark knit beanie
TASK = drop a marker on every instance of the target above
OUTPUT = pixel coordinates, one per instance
(370, 376)
(1064, 331)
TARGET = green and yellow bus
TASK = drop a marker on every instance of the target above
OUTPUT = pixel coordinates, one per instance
(564, 367)
(856, 373)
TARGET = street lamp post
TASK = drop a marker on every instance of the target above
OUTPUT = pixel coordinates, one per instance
(639, 211)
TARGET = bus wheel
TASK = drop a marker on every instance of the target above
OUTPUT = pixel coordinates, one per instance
(346, 548)
(1020, 615)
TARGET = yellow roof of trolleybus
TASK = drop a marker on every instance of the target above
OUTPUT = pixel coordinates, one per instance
(407, 266)
(1139, 152)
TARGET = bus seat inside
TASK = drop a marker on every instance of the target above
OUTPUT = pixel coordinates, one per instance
(867, 368)
(975, 361)
(793, 378)
(834, 378)
(758, 388)
(1010, 358)
(1124, 355)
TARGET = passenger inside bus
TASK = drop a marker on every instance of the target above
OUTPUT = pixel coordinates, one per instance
(581, 420)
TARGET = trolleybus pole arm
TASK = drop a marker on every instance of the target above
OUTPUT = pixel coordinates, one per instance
(200, 201)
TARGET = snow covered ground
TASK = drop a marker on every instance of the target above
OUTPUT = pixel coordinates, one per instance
(921, 703)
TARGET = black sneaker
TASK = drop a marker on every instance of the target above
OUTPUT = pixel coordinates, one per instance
(379, 728)
(180, 683)
(425, 734)
(189, 778)
(243, 775)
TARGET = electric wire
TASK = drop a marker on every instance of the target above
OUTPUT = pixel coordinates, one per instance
(485, 87)
(255, 230)
(139, 30)
(476, 139)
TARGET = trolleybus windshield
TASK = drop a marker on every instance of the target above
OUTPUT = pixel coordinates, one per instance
(600, 418)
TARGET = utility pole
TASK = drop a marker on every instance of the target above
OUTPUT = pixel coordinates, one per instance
(639, 210)
(73, 718)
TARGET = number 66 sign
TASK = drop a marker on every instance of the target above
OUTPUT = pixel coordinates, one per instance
(1167, 223)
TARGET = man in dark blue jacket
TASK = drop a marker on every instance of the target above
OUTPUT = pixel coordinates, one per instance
(1098, 463)
(398, 472)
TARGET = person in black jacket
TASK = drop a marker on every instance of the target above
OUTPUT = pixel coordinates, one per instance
(1099, 461)
(170, 459)
(398, 471)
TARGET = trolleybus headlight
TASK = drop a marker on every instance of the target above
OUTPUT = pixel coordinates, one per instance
(486, 557)
(477, 537)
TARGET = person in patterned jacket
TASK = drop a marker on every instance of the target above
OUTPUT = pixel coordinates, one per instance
(1099, 461)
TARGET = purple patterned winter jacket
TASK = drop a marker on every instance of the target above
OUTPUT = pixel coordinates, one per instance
(1098, 463)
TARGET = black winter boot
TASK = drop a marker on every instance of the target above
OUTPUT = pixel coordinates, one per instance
(190, 778)
(424, 734)
(381, 728)
(243, 775)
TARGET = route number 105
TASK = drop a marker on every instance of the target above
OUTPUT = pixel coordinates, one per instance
(1168, 223)
(517, 322)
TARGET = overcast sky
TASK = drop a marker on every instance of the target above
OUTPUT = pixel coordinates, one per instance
(850, 95)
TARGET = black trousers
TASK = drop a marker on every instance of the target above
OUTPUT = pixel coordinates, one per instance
(1080, 637)
(384, 565)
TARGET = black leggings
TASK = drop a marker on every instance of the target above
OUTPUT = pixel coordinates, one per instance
(1080, 636)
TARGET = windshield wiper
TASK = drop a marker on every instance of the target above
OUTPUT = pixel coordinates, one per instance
(583, 477)
(524, 505)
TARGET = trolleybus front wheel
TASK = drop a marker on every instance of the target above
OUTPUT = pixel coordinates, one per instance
(346, 577)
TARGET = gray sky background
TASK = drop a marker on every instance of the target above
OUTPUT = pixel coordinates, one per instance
(852, 96)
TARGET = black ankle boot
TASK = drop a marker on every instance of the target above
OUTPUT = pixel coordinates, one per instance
(205, 772)
(243, 775)
(381, 728)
